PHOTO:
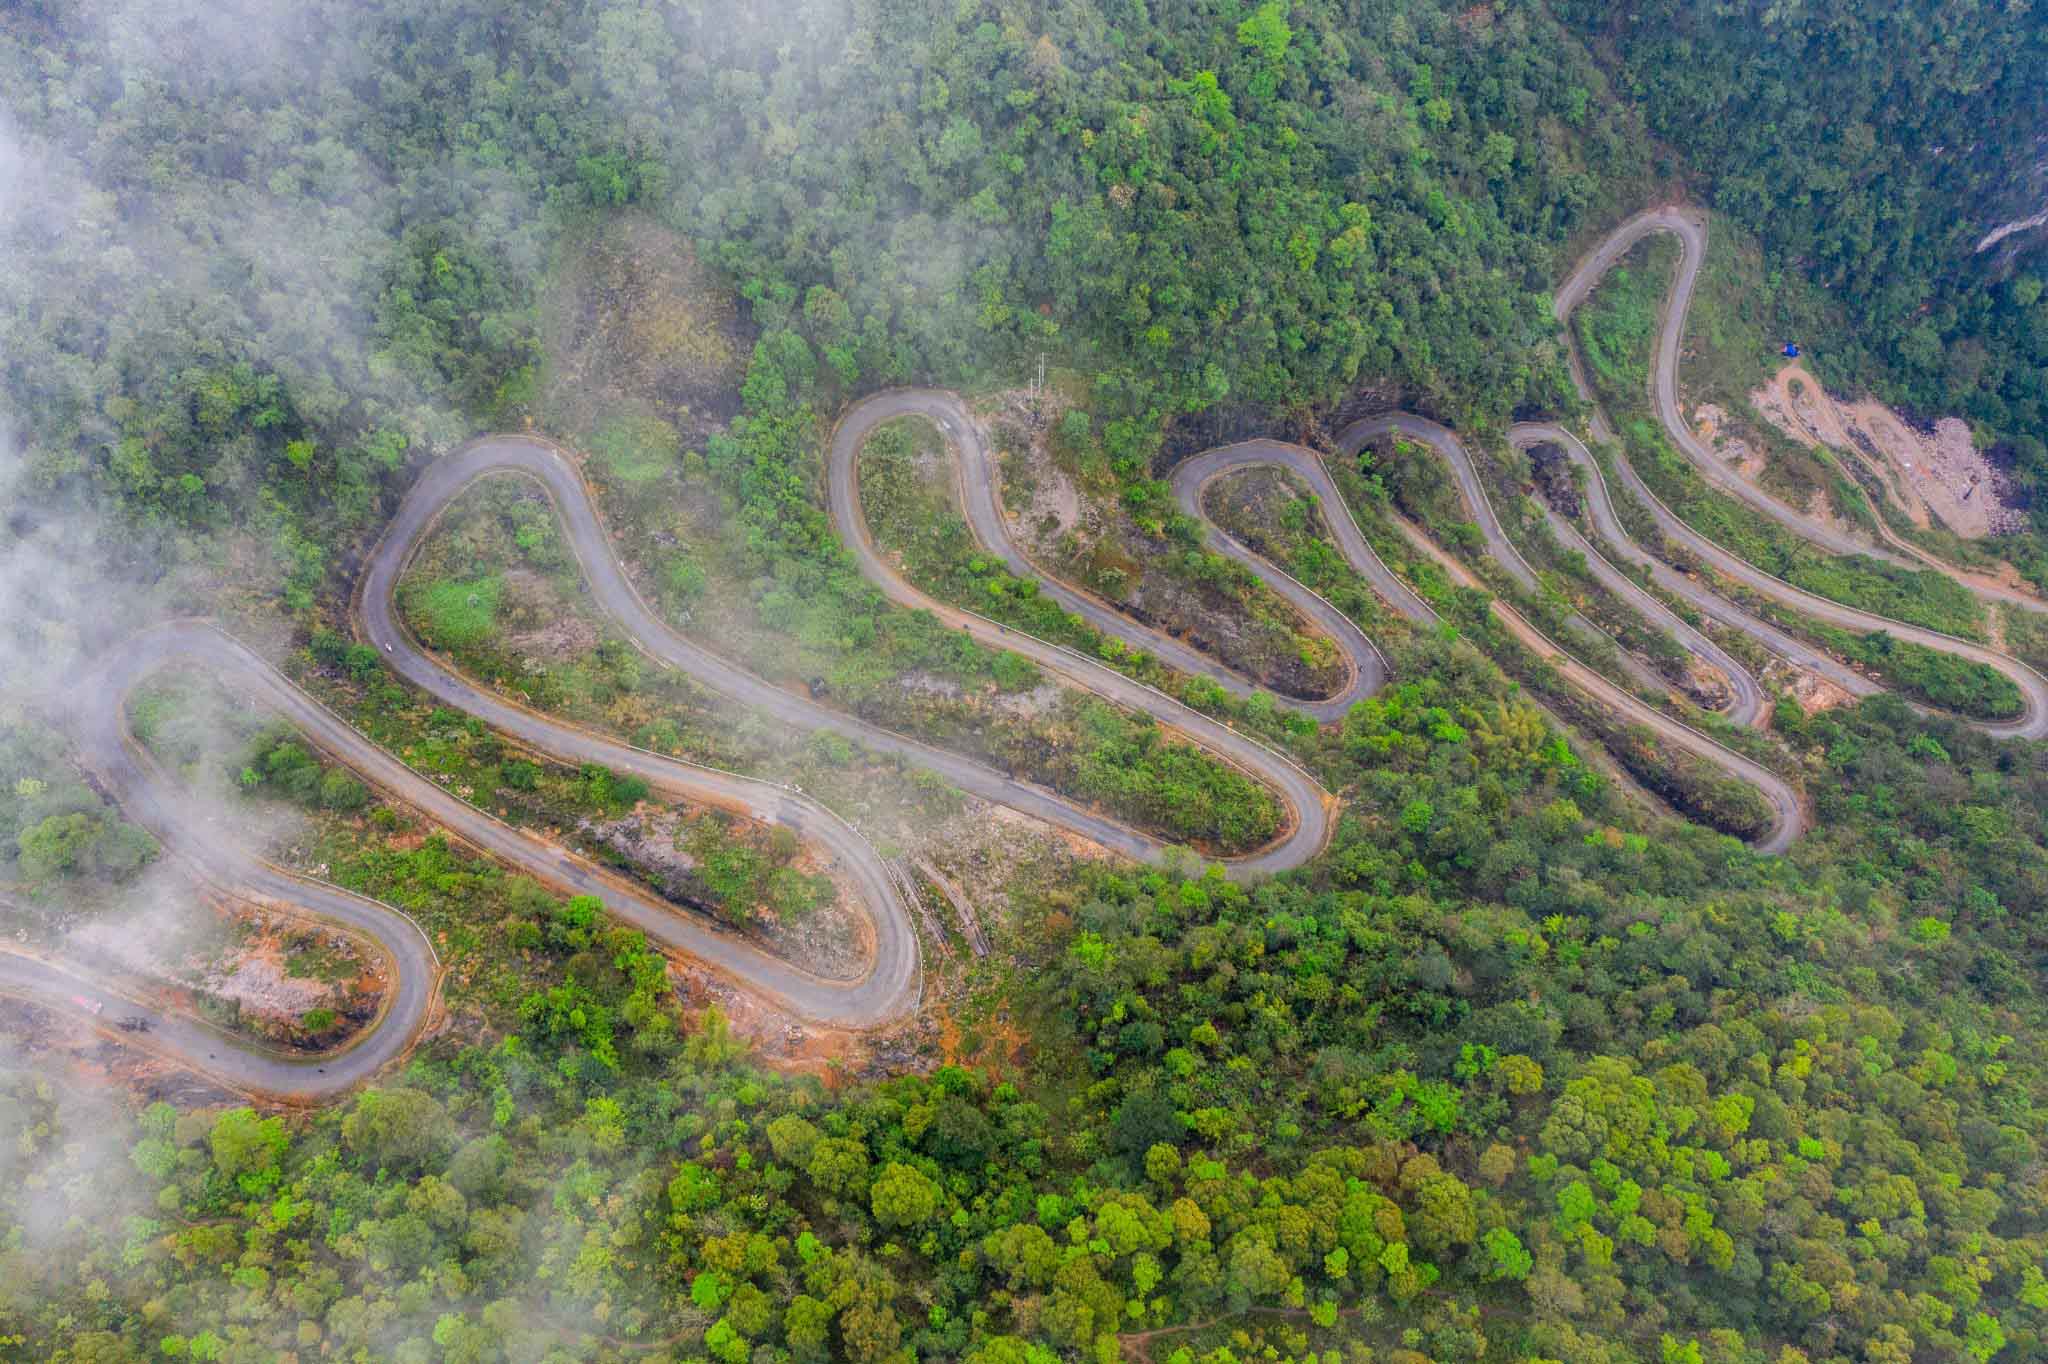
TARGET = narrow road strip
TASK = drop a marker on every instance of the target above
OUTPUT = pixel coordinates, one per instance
(1690, 230)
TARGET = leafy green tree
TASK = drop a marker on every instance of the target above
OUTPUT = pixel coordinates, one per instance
(249, 1150)
(902, 1196)
(397, 1129)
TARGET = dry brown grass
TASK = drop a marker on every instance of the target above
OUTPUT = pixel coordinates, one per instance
(632, 318)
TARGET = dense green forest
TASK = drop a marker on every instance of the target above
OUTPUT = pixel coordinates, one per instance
(260, 265)
(1871, 148)
(1514, 1073)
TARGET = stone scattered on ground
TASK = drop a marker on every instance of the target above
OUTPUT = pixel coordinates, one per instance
(1710, 422)
(1934, 473)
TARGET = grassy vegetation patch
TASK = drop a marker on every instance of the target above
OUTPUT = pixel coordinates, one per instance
(739, 876)
(1618, 323)
(452, 613)
(1192, 798)
(636, 448)
(1930, 675)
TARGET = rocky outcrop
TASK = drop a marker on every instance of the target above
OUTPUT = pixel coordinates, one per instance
(2021, 224)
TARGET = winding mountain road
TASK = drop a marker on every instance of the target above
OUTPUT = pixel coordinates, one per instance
(1690, 230)
(614, 593)
(975, 481)
(1746, 694)
(1310, 808)
(890, 984)
(1789, 818)
(888, 987)
(1189, 481)
(1194, 475)
(1472, 490)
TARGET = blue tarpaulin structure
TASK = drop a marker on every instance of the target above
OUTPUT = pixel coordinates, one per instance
(1791, 351)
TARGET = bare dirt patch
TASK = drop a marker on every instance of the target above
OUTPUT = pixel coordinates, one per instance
(1713, 426)
(1935, 474)
(985, 851)
(73, 1052)
(783, 1042)
(1813, 692)
(259, 973)
(1042, 498)
(256, 979)
(1036, 704)
(633, 316)
(551, 632)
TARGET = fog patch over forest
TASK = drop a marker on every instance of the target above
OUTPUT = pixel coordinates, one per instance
(1507, 1062)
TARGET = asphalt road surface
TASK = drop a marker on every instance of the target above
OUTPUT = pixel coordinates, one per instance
(1690, 230)
(890, 985)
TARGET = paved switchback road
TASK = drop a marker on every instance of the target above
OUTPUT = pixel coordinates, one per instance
(975, 481)
(1746, 694)
(887, 989)
(1189, 480)
(1788, 812)
(1194, 475)
(890, 985)
(159, 804)
(1310, 808)
(1690, 230)
(1472, 490)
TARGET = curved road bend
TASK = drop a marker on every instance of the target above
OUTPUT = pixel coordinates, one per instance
(889, 987)
(1353, 438)
(1191, 480)
(167, 810)
(1690, 228)
(1746, 694)
(1617, 541)
(236, 1063)
(1309, 806)
(1691, 232)
(1789, 814)
(1197, 473)
(975, 481)
(615, 594)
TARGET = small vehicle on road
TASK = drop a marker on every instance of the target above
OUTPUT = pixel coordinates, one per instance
(91, 1006)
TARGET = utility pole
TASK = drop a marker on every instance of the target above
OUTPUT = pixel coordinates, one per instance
(1037, 390)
